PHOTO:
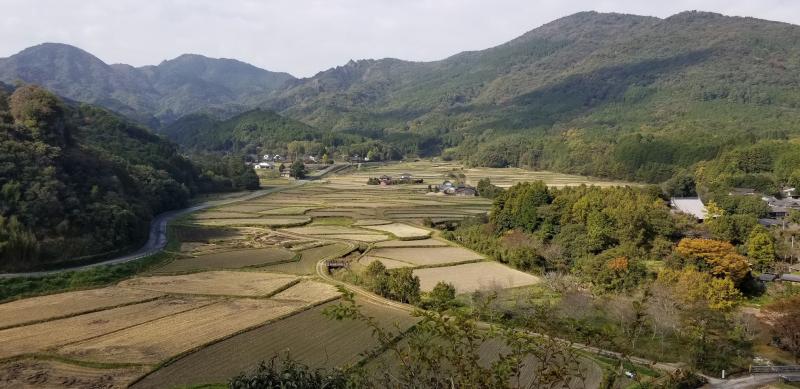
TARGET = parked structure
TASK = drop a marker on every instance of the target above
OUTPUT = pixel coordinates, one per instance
(689, 205)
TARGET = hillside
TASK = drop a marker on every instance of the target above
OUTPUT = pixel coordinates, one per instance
(80, 182)
(601, 94)
(152, 94)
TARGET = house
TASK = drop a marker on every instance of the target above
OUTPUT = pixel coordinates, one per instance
(689, 205)
(355, 158)
(790, 193)
(264, 165)
(405, 176)
(781, 207)
(445, 186)
(465, 191)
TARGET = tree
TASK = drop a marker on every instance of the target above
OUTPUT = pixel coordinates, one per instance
(717, 257)
(404, 285)
(442, 296)
(785, 321)
(298, 169)
(377, 279)
(761, 248)
(41, 112)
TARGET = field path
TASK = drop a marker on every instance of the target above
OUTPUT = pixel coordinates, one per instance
(158, 233)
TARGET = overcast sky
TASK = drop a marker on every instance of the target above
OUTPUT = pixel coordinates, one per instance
(303, 37)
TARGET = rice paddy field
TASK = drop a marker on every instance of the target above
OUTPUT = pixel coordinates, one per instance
(244, 285)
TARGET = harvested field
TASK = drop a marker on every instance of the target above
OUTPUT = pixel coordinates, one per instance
(223, 215)
(412, 243)
(324, 343)
(46, 374)
(389, 263)
(355, 237)
(228, 260)
(158, 340)
(475, 276)
(328, 230)
(285, 221)
(371, 222)
(37, 337)
(427, 256)
(55, 306)
(223, 283)
(308, 292)
(186, 233)
(287, 211)
(246, 207)
(402, 231)
(309, 258)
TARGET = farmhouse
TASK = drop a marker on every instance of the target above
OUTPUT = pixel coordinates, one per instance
(781, 207)
(689, 205)
(264, 165)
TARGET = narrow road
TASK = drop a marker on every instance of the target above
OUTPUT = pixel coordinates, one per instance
(746, 382)
(158, 234)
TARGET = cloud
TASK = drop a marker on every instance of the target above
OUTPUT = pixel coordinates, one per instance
(303, 37)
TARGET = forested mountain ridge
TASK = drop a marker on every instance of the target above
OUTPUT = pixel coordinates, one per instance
(77, 181)
(151, 94)
(602, 94)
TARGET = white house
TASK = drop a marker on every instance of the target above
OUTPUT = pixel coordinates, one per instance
(690, 206)
(264, 165)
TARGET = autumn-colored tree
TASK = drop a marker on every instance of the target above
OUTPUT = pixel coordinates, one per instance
(692, 287)
(786, 323)
(761, 248)
(717, 257)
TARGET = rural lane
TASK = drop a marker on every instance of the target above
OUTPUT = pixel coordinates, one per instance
(158, 227)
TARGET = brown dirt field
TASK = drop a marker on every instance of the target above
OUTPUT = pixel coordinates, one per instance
(158, 340)
(475, 276)
(309, 258)
(199, 234)
(402, 231)
(38, 337)
(54, 306)
(389, 263)
(47, 374)
(282, 221)
(228, 260)
(324, 343)
(329, 230)
(224, 283)
(287, 211)
(371, 222)
(308, 292)
(356, 237)
(412, 243)
(427, 255)
(223, 215)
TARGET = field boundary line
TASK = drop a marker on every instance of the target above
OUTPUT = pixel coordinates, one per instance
(93, 310)
(75, 362)
(185, 353)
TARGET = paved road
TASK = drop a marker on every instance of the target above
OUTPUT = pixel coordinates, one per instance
(158, 234)
(747, 382)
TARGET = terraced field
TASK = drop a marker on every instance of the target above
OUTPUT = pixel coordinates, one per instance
(212, 319)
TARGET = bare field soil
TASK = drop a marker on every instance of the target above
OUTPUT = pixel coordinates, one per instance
(309, 258)
(53, 306)
(223, 215)
(324, 343)
(329, 230)
(428, 255)
(475, 276)
(412, 243)
(287, 211)
(402, 231)
(228, 260)
(371, 222)
(158, 340)
(47, 374)
(308, 292)
(38, 337)
(283, 221)
(389, 263)
(186, 233)
(223, 283)
(356, 237)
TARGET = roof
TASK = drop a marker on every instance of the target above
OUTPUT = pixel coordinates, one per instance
(790, 277)
(690, 205)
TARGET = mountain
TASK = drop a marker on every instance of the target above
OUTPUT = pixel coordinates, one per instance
(603, 94)
(150, 94)
(79, 182)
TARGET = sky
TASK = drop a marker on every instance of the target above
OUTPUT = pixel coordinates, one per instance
(303, 37)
